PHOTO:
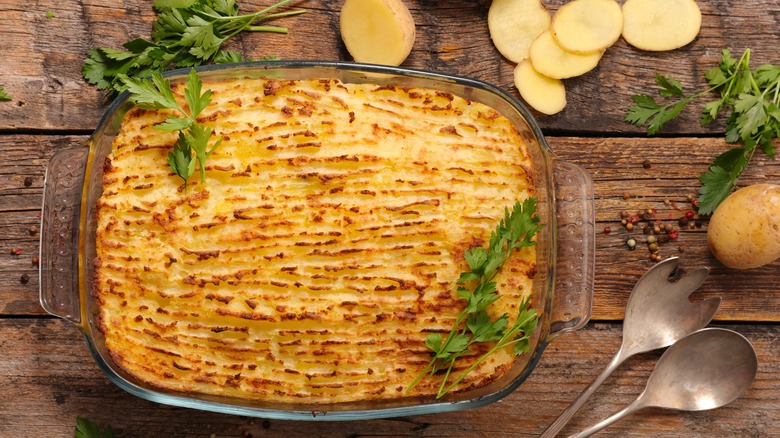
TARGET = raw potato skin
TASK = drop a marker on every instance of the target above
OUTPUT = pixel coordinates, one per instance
(546, 95)
(551, 60)
(377, 31)
(744, 231)
(515, 24)
(585, 26)
(658, 25)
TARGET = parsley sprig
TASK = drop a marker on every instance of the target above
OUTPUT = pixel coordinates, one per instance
(3, 94)
(751, 99)
(88, 429)
(186, 33)
(474, 324)
(156, 93)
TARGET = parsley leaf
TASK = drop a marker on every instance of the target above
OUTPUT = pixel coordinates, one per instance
(180, 159)
(186, 33)
(88, 429)
(751, 98)
(3, 94)
(156, 93)
(515, 230)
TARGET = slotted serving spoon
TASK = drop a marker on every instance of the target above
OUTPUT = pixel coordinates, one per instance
(705, 370)
(658, 314)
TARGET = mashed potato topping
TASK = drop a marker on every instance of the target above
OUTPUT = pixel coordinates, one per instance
(322, 248)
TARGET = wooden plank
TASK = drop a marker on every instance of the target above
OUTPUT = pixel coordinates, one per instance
(43, 56)
(650, 171)
(50, 379)
(616, 165)
(21, 193)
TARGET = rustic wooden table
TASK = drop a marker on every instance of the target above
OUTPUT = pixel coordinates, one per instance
(48, 378)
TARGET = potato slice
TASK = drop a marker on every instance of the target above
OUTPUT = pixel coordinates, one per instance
(657, 25)
(585, 26)
(515, 24)
(551, 60)
(546, 95)
(377, 31)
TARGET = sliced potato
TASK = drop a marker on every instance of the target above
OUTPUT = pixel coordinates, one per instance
(585, 26)
(544, 94)
(377, 31)
(515, 24)
(660, 24)
(551, 60)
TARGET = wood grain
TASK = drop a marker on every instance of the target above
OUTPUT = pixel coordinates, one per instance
(43, 56)
(46, 368)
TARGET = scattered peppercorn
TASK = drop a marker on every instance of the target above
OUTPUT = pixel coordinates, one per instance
(650, 239)
(16, 251)
(653, 247)
(673, 234)
(630, 226)
(607, 230)
(631, 243)
(646, 164)
(626, 196)
(32, 230)
(683, 221)
(690, 214)
(35, 261)
(28, 181)
(25, 279)
(681, 248)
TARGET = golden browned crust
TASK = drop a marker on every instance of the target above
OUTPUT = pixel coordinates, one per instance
(322, 248)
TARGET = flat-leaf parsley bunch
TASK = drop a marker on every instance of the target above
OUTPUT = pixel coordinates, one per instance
(186, 33)
(156, 93)
(474, 324)
(751, 98)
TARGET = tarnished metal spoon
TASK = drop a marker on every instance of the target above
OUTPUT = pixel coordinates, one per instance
(658, 313)
(706, 370)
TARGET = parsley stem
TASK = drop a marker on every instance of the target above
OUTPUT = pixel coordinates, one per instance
(272, 29)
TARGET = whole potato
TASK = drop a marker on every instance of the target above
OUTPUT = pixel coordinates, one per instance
(744, 231)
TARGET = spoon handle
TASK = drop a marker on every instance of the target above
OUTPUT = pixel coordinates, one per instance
(630, 409)
(566, 415)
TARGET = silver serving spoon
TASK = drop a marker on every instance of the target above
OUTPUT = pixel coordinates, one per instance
(658, 313)
(706, 370)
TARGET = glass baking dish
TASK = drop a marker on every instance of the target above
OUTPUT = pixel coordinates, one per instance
(563, 285)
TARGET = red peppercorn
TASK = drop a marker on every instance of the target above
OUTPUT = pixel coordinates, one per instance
(673, 234)
(607, 230)
(690, 214)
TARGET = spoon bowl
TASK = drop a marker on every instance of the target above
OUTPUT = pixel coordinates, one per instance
(705, 370)
(658, 313)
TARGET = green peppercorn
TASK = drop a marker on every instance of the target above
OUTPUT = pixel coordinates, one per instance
(653, 247)
(651, 239)
(631, 243)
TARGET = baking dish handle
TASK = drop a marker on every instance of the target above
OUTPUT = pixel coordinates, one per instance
(59, 257)
(576, 248)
